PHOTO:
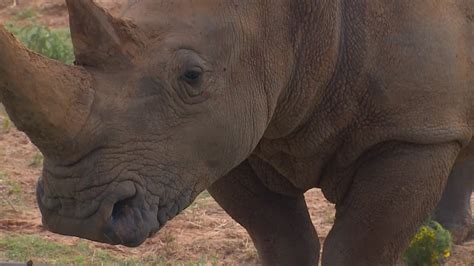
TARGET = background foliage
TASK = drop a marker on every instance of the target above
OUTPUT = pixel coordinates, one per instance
(430, 246)
(53, 43)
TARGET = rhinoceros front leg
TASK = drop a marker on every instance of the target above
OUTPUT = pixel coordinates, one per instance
(279, 225)
(454, 209)
(392, 194)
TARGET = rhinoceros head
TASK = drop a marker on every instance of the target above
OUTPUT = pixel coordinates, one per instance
(160, 104)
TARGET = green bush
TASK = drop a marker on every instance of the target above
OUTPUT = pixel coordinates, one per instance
(52, 43)
(430, 246)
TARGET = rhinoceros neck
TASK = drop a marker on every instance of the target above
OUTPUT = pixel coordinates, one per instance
(317, 41)
(320, 103)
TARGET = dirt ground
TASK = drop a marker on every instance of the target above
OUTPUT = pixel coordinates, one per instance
(203, 229)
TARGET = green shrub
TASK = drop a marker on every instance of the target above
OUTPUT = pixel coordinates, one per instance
(52, 43)
(430, 246)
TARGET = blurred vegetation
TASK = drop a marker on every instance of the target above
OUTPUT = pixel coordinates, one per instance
(5, 124)
(37, 160)
(22, 248)
(430, 246)
(10, 194)
(11, 187)
(27, 13)
(52, 43)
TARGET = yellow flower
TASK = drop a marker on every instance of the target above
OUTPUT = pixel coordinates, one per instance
(430, 246)
(447, 254)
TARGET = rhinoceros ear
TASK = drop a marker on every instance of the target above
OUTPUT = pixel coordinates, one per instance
(99, 39)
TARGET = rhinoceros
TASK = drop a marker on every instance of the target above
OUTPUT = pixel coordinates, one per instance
(257, 102)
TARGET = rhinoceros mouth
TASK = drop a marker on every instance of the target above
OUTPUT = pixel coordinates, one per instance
(127, 222)
(124, 218)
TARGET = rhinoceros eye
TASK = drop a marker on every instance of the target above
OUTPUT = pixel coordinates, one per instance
(193, 76)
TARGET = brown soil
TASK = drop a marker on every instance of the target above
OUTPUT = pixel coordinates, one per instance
(202, 229)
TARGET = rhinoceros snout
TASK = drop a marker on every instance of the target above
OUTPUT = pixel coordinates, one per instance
(122, 219)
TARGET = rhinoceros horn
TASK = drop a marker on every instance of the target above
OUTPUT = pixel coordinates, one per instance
(46, 99)
(50, 101)
(101, 40)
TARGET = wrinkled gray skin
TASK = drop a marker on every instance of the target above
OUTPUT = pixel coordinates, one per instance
(259, 101)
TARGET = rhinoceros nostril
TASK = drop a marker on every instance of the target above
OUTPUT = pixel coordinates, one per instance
(122, 208)
(126, 225)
